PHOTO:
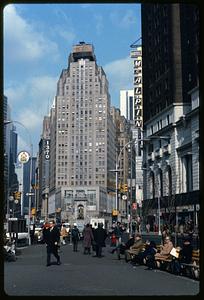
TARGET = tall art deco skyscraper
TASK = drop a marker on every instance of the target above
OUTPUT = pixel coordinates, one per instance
(82, 145)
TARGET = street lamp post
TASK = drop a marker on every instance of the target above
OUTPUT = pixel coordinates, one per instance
(118, 170)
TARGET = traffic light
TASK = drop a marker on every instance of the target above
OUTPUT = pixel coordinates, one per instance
(17, 195)
(125, 187)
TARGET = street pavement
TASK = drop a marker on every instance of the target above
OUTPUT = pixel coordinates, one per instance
(85, 275)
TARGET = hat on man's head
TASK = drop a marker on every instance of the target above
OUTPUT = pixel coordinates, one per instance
(138, 235)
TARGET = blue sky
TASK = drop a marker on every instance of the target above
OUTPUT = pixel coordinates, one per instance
(37, 41)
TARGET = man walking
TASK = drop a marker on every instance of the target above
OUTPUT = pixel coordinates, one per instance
(75, 237)
(51, 236)
(100, 236)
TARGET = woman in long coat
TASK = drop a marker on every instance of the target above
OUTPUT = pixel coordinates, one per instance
(88, 238)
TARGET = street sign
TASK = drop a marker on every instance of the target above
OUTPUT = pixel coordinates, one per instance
(134, 205)
(16, 201)
(13, 219)
(30, 194)
(124, 197)
(23, 157)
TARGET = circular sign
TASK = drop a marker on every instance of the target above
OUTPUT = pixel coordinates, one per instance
(16, 201)
(23, 157)
(124, 197)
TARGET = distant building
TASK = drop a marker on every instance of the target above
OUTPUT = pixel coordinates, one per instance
(43, 169)
(127, 104)
(126, 163)
(10, 155)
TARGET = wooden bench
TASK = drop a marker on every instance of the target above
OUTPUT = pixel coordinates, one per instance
(130, 254)
(193, 269)
(164, 263)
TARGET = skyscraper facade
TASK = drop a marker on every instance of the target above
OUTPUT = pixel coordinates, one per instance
(127, 104)
(170, 35)
(82, 137)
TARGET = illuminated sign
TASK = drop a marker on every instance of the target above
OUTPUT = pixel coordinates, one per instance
(23, 157)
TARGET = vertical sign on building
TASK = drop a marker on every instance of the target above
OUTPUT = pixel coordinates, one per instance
(47, 149)
(138, 105)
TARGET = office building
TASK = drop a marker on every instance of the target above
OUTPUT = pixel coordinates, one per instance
(82, 139)
(170, 35)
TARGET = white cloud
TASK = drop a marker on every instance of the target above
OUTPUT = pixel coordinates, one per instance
(68, 36)
(31, 99)
(99, 24)
(30, 118)
(120, 74)
(125, 21)
(34, 90)
(22, 42)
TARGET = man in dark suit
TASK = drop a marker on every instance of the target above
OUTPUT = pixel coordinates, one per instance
(51, 236)
(100, 236)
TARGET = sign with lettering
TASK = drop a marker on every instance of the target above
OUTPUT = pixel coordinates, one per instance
(47, 149)
(138, 105)
(23, 157)
(135, 53)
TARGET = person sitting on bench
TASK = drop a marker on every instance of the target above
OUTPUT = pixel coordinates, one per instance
(165, 250)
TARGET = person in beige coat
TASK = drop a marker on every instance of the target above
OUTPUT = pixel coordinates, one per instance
(165, 250)
(63, 234)
(135, 249)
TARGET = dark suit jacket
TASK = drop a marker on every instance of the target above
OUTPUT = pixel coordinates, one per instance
(100, 236)
(51, 235)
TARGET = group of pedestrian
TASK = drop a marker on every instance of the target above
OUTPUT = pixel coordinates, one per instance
(92, 239)
(54, 236)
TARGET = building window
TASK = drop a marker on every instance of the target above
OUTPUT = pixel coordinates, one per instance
(168, 181)
(167, 118)
(152, 185)
(187, 180)
(160, 183)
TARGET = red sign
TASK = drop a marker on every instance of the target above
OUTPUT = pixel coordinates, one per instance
(134, 206)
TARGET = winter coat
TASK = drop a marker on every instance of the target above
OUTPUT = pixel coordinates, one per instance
(88, 237)
(137, 246)
(75, 234)
(186, 253)
(100, 236)
(63, 232)
(165, 251)
(51, 235)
